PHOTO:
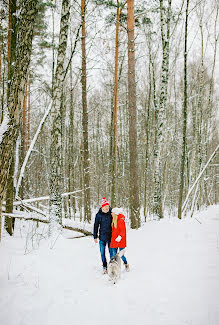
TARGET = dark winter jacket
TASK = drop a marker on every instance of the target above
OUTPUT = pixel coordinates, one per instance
(103, 224)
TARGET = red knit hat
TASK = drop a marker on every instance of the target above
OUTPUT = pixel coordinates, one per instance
(104, 202)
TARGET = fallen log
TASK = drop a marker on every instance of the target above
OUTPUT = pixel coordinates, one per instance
(83, 231)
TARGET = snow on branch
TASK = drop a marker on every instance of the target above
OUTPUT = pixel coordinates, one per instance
(31, 148)
(198, 178)
(28, 216)
(42, 198)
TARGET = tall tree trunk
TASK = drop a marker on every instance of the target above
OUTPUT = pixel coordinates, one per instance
(1, 79)
(86, 167)
(71, 166)
(183, 159)
(12, 37)
(161, 112)
(203, 117)
(133, 178)
(12, 40)
(148, 124)
(147, 130)
(113, 149)
(114, 144)
(25, 36)
(210, 95)
(55, 180)
(64, 141)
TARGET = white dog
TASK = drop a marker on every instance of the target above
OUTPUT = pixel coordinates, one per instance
(114, 266)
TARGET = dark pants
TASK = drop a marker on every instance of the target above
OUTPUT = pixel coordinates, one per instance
(114, 250)
(103, 250)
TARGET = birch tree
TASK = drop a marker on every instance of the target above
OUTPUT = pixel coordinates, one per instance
(55, 180)
(165, 14)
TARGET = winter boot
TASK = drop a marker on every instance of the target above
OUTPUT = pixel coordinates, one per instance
(104, 270)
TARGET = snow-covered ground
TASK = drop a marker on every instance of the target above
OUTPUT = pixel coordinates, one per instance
(174, 277)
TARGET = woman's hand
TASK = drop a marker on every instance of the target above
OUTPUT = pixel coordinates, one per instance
(118, 239)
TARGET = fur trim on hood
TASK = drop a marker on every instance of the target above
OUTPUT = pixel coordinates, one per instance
(117, 211)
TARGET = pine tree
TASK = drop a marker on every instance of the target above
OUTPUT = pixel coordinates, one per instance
(114, 201)
(133, 177)
(114, 144)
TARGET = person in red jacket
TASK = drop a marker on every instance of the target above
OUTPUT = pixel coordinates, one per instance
(118, 239)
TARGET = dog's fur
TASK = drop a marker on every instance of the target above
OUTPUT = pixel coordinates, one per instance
(114, 267)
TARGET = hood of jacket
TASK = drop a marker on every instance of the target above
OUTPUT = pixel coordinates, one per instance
(121, 216)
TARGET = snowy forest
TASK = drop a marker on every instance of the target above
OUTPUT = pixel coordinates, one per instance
(109, 99)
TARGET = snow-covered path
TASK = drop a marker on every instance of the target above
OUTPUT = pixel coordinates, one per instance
(174, 278)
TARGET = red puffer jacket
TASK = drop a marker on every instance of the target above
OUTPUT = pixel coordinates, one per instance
(119, 231)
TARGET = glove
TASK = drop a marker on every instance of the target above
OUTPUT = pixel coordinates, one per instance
(118, 239)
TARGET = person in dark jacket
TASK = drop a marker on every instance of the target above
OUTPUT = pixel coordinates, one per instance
(103, 230)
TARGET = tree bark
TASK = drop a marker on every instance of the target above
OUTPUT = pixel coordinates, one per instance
(183, 159)
(161, 110)
(15, 102)
(114, 144)
(86, 164)
(133, 178)
(1, 83)
(12, 39)
(55, 180)
(71, 167)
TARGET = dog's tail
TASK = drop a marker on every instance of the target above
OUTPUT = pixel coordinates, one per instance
(121, 253)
